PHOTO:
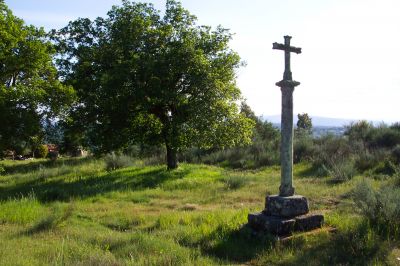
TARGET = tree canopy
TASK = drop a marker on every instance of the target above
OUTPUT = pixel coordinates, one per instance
(304, 124)
(143, 77)
(29, 87)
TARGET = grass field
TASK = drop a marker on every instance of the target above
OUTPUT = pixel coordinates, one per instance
(74, 212)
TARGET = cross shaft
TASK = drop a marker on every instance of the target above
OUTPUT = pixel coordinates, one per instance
(287, 75)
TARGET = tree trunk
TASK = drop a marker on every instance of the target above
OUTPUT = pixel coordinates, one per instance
(172, 160)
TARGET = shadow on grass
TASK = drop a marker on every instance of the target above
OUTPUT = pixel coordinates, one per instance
(64, 190)
(311, 171)
(357, 246)
(31, 166)
(56, 217)
(238, 246)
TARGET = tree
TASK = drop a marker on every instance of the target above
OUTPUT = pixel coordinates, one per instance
(304, 124)
(29, 87)
(143, 78)
(358, 131)
(263, 130)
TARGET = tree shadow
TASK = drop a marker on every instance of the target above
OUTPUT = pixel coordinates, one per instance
(239, 246)
(63, 190)
(36, 165)
(55, 218)
(357, 246)
(311, 171)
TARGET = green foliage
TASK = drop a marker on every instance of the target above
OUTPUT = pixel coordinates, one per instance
(29, 87)
(341, 169)
(152, 80)
(41, 151)
(235, 182)
(304, 124)
(369, 159)
(358, 131)
(255, 156)
(115, 161)
(303, 148)
(396, 153)
(334, 156)
(24, 210)
(53, 155)
(380, 206)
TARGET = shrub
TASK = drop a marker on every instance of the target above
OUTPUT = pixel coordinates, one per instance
(302, 149)
(334, 156)
(2, 170)
(114, 161)
(53, 155)
(154, 160)
(41, 151)
(387, 168)
(395, 154)
(358, 131)
(380, 206)
(342, 170)
(368, 160)
(383, 137)
(235, 182)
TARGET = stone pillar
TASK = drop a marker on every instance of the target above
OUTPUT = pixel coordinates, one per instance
(286, 189)
(287, 87)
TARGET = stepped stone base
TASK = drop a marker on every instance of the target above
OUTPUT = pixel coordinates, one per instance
(286, 206)
(284, 215)
(283, 225)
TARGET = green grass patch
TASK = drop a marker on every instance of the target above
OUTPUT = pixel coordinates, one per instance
(75, 212)
(23, 211)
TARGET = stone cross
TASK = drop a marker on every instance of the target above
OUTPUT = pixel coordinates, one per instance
(287, 87)
(286, 212)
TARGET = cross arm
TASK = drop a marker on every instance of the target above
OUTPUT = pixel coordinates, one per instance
(279, 46)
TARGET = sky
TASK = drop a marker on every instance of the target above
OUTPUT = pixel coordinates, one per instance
(348, 68)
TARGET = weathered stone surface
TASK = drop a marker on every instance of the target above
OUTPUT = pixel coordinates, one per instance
(286, 212)
(283, 225)
(286, 206)
(308, 222)
(272, 224)
(287, 86)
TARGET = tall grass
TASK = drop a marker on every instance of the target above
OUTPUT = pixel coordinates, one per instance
(380, 206)
(22, 210)
(82, 214)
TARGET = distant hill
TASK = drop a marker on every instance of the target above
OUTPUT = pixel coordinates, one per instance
(317, 121)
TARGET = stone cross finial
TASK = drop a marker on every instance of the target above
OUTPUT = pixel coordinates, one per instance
(288, 49)
(287, 87)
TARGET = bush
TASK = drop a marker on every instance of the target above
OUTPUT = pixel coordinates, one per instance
(380, 206)
(369, 159)
(358, 131)
(334, 156)
(395, 154)
(342, 170)
(235, 182)
(53, 155)
(114, 161)
(387, 168)
(383, 137)
(41, 151)
(302, 149)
